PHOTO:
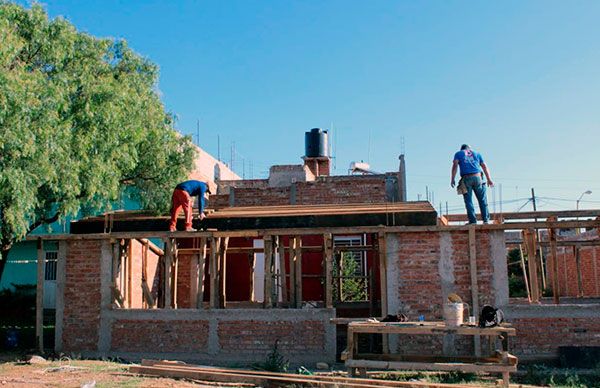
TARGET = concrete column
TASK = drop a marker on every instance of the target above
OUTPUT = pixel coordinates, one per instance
(104, 335)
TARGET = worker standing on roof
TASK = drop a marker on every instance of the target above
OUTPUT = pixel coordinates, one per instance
(471, 167)
(182, 198)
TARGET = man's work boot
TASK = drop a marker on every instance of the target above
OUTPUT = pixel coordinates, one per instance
(191, 230)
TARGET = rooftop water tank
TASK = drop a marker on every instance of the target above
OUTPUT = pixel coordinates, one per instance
(315, 142)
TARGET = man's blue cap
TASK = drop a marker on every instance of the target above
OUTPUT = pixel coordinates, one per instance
(464, 147)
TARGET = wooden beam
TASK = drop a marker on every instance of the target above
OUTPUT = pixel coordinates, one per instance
(474, 285)
(298, 280)
(532, 215)
(554, 260)
(292, 262)
(167, 281)
(39, 296)
(531, 249)
(267, 300)
(525, 277)
(223, 273)
(116, 269)
(214, 272)
(579, 276)
(200, 286)
(128, 260)
(282, 273)
(328, 268)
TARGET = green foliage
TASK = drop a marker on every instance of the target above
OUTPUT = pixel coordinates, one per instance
(543, 375)
(516, 280)
(352, 289)
(80, 119)
(275, 362)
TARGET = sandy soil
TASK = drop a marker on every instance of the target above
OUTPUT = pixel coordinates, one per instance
(80, 373)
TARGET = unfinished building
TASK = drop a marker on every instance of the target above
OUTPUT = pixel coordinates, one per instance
(271, 268)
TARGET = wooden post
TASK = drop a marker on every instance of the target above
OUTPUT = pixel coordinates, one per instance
(201, 261)
(128, 259)
(474, 285)
(282, 273)
(383, 285)
(175, 271)
(39, 296)
(252, 261)
(530, 245)
(267, 300)
(213, 272)
(554, 261)
(298, 280)
(146, 293)
(328, 261)
(115, 270)
(292, 261)
(168, 269)
(579, 276)
(223, 273)
(525, 279)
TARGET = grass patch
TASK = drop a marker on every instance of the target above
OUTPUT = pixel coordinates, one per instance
(568, 378)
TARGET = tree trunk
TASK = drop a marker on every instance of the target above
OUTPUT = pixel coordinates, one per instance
(3, 259)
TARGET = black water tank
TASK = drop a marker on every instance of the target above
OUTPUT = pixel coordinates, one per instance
(315, 142)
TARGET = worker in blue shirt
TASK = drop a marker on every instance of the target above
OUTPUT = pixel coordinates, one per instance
(472, 166)
(183, 198)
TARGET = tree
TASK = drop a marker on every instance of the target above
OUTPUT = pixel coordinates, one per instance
(80, 120)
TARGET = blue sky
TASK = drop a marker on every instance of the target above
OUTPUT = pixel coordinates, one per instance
(518, 80)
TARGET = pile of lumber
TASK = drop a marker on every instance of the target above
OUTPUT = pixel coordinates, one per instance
(176, 369)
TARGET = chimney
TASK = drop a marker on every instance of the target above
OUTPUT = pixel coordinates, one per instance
(316, 155)
(402, 179)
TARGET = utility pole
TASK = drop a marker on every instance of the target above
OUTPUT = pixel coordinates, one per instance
(533, 200)
(198, 133)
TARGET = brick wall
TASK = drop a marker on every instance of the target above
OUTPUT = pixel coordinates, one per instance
(135, 335)
(258, 337)
(567, 271)
(324, 190)
(82, 296)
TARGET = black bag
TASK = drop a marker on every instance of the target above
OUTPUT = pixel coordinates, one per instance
(490, 316)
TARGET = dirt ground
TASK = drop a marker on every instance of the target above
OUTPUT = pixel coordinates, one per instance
(80, 373)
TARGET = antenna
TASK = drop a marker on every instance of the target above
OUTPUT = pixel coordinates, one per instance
(232, 158)
(198, 132)
(219, 147)
(402, 147)
(369, 148)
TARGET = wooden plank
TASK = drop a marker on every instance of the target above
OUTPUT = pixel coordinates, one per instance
(116, 260)
(282, 273)
(554, 260)
(292, 262)
(167, 281)
(525, 277)
(474, 285)
(321, 230)
(129, 261)
(269, 379)
(175, 272)
(532, 215)
(201, 262)
(381, 245)
(214, 272)
(579, 276)
(298, 279)
(328, 267)
(310, 378)
(531, 249)
(431, 328)
(146, 293)
(223, 273)
(403, 365)
(267, 299)
(39, 296)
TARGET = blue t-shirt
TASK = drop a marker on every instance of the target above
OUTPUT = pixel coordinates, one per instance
(469, 162)
(194, 188)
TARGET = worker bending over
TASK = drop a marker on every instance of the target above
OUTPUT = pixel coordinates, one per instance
(471, 167)
(183, 198)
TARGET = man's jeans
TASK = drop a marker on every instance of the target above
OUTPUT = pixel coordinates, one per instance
(474, 184)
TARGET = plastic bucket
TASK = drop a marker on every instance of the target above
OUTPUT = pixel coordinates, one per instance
(453, 314)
